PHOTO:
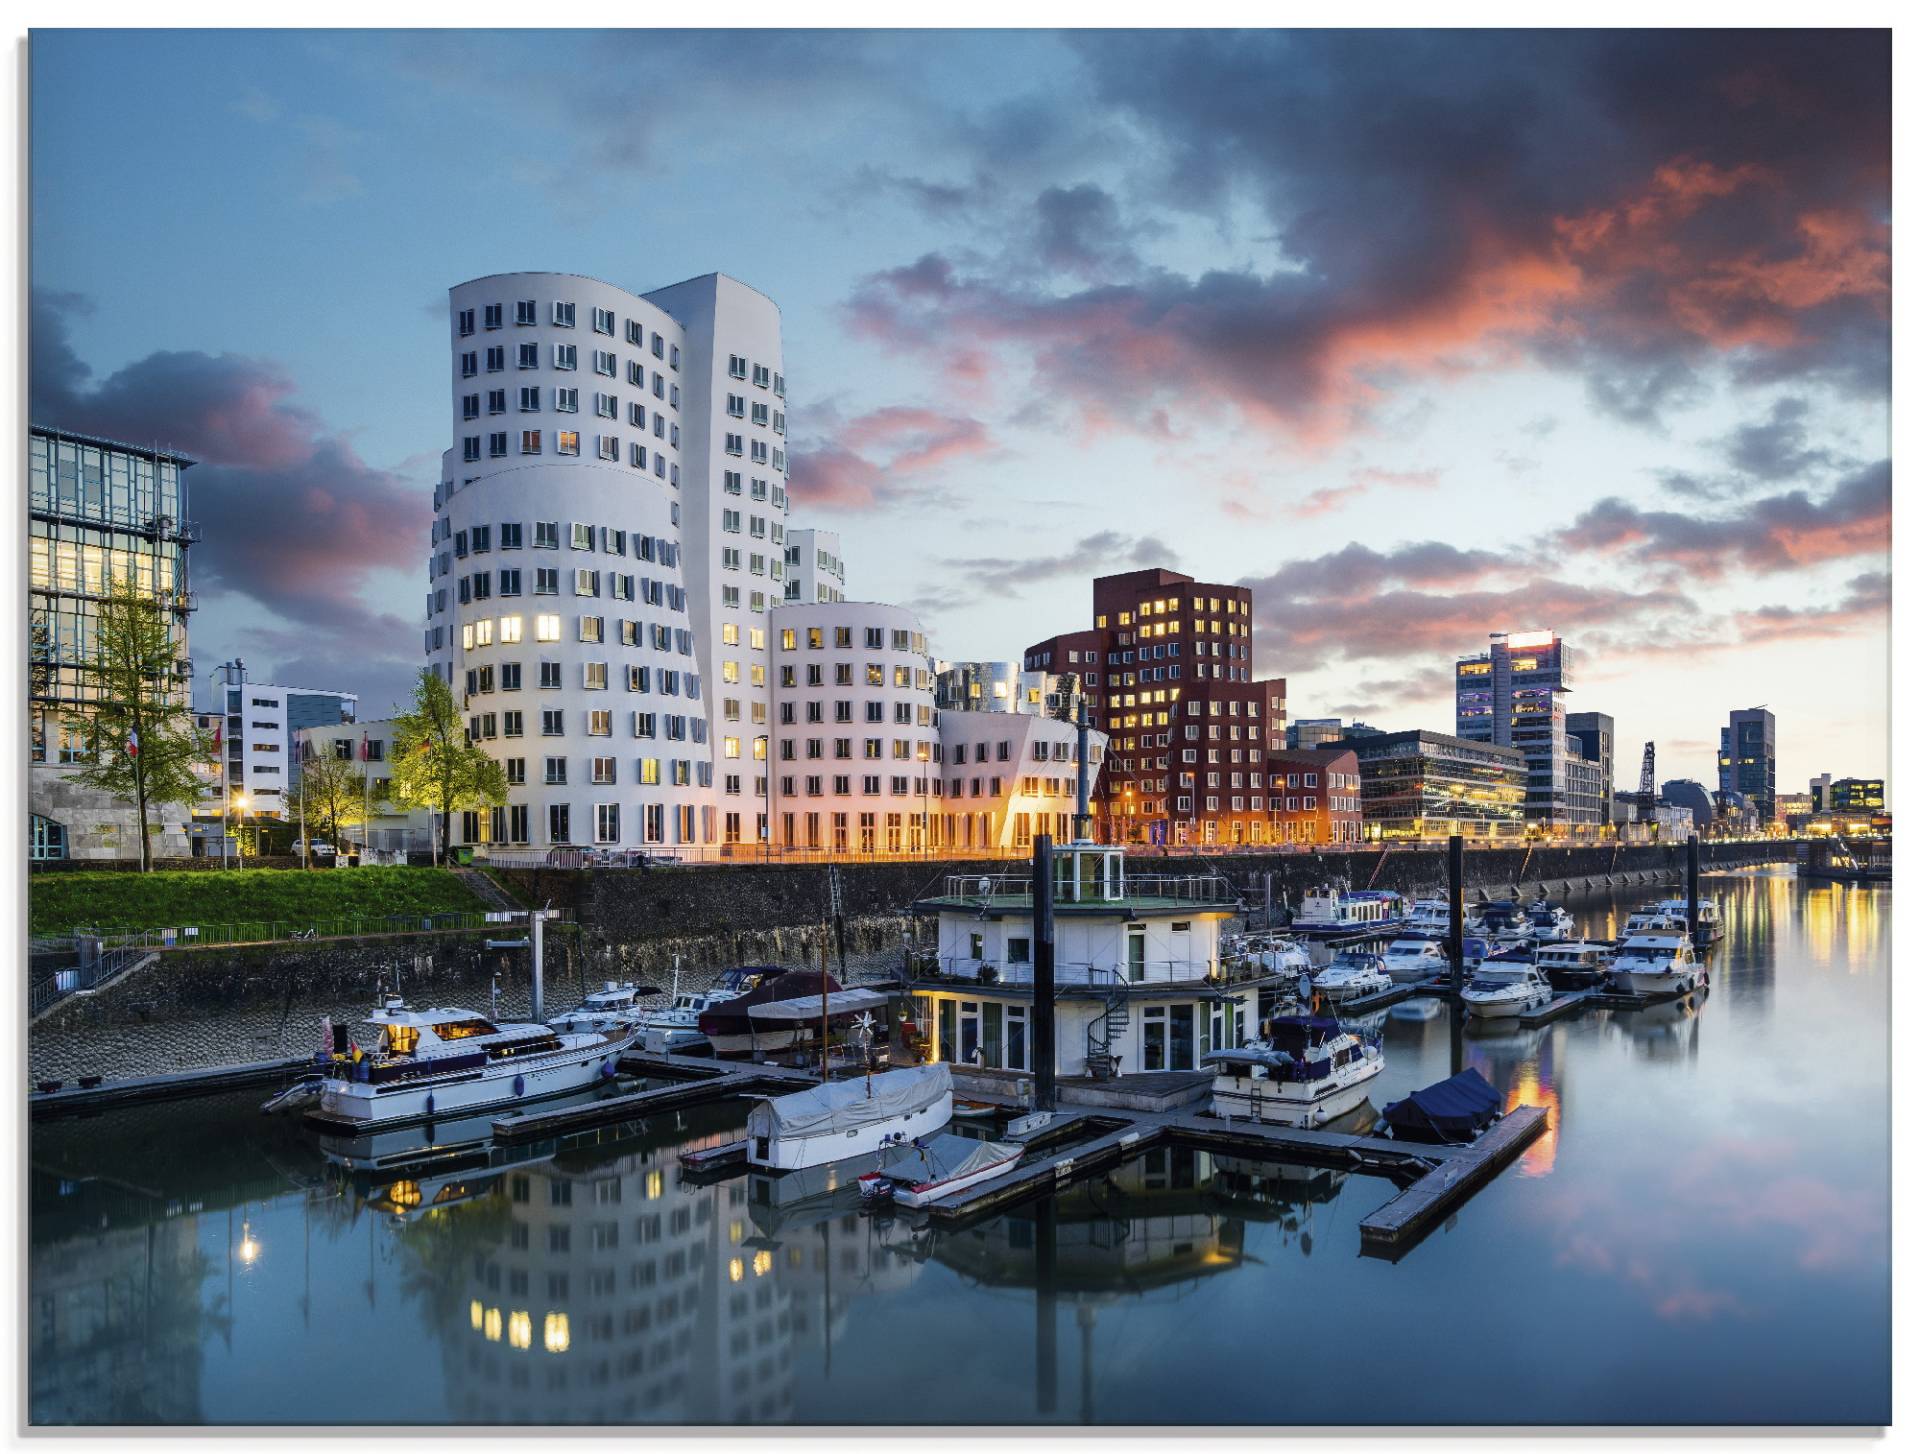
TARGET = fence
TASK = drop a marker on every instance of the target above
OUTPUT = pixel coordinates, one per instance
(966, 969)
(93, 966)
(282, 931)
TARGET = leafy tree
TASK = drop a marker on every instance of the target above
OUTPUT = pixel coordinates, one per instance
(434, 766)
(147, 750)
(335, 790)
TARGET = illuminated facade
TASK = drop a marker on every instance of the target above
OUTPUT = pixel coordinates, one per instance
(97, 510)
(1747, 760)
(1514, 695)
(1418, 784)
(1168, 673)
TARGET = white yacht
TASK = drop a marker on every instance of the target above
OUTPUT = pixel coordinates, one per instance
(1433, 918)
(611, 1007)
(1352, 975)
(413, 1065)
(1712, 926)
(1306, 1072)
(1330, 910)
(1548, 923)
(843, 1118)
(1269, 953)
(1408, 961)
(678, 1024)
(1658, 962)
(1500, 991)
(1651, 919)
(1577, 965)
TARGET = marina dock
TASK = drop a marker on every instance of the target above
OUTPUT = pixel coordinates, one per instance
(1396, 1226)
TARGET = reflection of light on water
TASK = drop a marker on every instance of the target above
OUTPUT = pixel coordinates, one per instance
(1528, 1089)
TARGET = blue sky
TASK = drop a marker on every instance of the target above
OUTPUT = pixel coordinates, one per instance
(1423, 336)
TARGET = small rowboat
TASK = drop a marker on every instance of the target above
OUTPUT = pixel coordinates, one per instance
(973, 1110)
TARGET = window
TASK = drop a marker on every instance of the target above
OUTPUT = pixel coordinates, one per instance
(529, 355)
(493, 315)
(566, 356)
(496, 359)
(563, 315)
(553, 724)
(603, 321)
(606, 822)
(566, 401)
(526, 313)
(546, 628)
(558, 831)
(466, 322)
(529, 440)
(567, 441)
(546, 534)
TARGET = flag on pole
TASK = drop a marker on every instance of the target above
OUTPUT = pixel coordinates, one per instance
(133, 744)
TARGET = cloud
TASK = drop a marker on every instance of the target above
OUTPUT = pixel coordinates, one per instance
(1777, 449)
(1362, 482)
(295, 521)
(883, 457)
(1107, 552)
(1775, 533)
(1726, 214)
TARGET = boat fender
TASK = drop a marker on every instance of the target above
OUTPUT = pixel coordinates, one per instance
(429, 1103)
(519, 1085)
(607, 1071)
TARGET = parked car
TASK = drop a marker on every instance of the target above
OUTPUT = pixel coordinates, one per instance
(316, 849)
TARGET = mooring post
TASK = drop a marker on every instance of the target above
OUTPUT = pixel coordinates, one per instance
(1043, 1055)
(1693, 888)
(536, 924)
(1457, 909)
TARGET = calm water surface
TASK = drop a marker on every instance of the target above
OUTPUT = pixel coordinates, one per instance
(1701, 1237)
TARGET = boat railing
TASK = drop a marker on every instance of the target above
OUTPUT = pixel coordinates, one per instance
(1015, 890)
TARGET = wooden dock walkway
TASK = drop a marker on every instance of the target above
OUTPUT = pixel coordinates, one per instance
(745, 1081)
(1398, 1224)
(75, 1098)
(1564, 1004)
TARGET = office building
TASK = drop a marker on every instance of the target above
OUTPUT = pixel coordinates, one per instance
(1514, 695)
(369, 745)
(1428, 785)
(1690, 795)
(97, 510)
(1002, 686)
(1168, 672)
(1315, 794)
(1857, 795)
(1307, 732)
(816, 571)
(258, 727)
(1747, 760)
(609, 540)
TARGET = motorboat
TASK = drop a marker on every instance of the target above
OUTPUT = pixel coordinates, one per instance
(403, 1064)
(843, 1118)
(731, 1030)
(1448, 1112)
(1410, 960)
(678, 1025)
(1434, 919)
(924, 1170)
(1713, 926)
(1504, 920)
(1353, 974)
(1270, 953)
(1653, 918)
(1658, 962)
(1330, 910)
(1549, 923)
(1501, 991)
(612, 1006)
(1579, 964)
(1305, 1071)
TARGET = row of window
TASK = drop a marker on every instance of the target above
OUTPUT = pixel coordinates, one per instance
(567, 401)
(479, 586)
(567, 442)
(565, 358)
(763, 377)
(594, 676)
(526, 314)
(546, 536)
(675, 727)
(511, 631)
(730, 483)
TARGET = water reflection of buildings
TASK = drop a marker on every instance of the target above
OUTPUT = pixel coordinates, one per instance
(601, 1288)
(1524, 1066)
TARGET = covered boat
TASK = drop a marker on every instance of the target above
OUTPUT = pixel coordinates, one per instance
(845, 1118)
(1455, 1109)
(922, 1171)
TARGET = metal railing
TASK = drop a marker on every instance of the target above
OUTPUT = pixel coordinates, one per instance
(92, 969)
(1003, 889)
(965, 969)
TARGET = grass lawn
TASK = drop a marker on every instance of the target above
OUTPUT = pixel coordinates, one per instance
(58, 902)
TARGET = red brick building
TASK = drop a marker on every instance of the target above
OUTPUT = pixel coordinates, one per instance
(1168, 672)
(1314, 795)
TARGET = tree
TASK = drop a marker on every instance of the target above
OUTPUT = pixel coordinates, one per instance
(146, 750)
(335, 794)
(434, 766)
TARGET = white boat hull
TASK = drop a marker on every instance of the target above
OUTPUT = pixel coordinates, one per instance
(352, 1106)
(1505, 1008)
(1343, 992)
(795, 1153)
(1295, 1103)
(909, 1195)
(761, 1040)
(1655, 983)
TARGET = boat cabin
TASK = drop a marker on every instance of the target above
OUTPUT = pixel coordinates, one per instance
(395, 1041)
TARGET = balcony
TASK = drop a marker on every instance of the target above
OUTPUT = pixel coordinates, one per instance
(1073, 977)
(995, 893)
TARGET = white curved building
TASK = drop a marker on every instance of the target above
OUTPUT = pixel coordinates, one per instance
(856, 741)
(608, 538)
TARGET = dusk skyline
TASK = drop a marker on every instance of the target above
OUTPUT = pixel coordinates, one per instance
(1420, 336)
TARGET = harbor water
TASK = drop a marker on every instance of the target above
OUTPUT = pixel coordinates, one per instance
(1702, 1236)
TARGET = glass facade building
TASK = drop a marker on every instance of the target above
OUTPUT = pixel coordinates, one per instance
(1513, 695)
(1747, 761)
(1419, 784)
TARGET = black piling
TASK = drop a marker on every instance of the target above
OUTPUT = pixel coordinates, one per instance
(1457, 909)
(1043, 1053)
(1693, 888)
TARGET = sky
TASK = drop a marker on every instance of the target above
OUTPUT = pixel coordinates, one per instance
(1421, 335)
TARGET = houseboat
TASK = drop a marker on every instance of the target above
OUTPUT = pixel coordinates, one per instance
(1140, 980)
(1305, 1072)
(1333, 912)
(403, 1065)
